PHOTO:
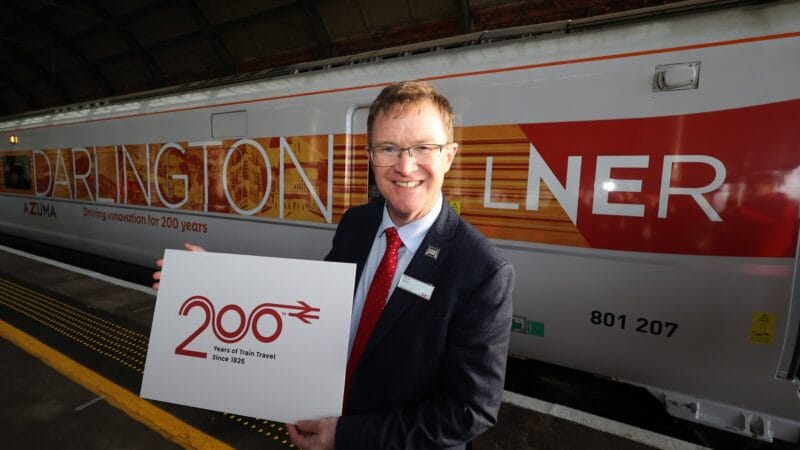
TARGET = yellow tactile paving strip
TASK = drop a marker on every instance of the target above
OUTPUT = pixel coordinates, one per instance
(125, 346)
(271, 430)
(145, 412)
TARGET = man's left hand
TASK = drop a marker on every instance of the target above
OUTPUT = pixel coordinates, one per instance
(314, 434)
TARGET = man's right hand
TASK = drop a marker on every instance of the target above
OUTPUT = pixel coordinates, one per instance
(160, 262)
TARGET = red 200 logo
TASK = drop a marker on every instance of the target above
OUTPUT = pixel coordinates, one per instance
(301, 311)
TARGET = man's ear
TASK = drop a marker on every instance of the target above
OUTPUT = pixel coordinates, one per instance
(366, 149)
(450, 154)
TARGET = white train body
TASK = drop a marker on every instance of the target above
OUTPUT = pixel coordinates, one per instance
(643, 177)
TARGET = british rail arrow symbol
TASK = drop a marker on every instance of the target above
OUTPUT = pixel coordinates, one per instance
(304, 314)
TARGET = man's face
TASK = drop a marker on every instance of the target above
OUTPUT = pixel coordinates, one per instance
(410, 189)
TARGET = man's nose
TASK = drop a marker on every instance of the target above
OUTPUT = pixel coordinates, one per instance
(406, 164)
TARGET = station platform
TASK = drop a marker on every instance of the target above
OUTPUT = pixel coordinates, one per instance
(73, 349)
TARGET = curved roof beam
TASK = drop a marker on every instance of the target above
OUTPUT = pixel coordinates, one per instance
(200, 34)
(211, 34)
(153, 69)
(59, 87)
(59, 42)
(268, 13)
(318, 27)
(465, 14)
(108, 21)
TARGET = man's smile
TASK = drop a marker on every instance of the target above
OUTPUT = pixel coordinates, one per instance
(408, 184)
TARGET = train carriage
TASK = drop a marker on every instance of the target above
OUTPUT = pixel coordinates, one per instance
(642, 175)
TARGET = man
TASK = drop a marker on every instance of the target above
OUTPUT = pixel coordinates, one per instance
(427, 363)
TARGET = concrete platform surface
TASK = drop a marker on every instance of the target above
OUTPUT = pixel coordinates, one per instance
(43, 408)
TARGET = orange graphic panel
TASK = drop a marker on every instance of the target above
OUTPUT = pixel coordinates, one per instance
(350, 173)
(504, 216)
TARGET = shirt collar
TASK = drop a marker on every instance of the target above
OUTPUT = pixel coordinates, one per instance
(412, 234)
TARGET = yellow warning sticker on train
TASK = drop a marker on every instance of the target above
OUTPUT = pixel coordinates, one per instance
(762, 327)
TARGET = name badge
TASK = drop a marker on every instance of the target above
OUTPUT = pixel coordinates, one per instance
(416, 287)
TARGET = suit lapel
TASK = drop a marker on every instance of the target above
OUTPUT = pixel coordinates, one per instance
(362, 246)
(422, 267)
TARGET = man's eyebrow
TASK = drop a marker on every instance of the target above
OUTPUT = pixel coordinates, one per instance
(420, 142)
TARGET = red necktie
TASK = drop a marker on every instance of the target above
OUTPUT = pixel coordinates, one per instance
(373, 306)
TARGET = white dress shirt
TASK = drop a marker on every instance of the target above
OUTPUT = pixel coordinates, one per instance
(411, 235)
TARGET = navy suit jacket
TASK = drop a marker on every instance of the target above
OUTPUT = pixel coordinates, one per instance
(432, 373)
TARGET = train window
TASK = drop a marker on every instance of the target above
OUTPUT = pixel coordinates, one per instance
(16, 172)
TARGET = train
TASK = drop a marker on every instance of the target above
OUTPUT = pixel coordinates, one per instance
(641, 171)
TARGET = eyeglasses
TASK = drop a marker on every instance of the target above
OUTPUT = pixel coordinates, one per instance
(388, 155)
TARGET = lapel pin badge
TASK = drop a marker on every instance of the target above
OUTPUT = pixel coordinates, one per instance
(432, 252)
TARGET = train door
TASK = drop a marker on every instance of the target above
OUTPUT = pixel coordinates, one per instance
(789, 366)
(357, 126)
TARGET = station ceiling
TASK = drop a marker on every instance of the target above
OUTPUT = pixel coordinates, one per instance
(60, 52)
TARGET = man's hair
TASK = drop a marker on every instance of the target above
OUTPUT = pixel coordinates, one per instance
(407, 93)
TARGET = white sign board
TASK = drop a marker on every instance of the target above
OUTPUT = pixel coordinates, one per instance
(256, 336)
